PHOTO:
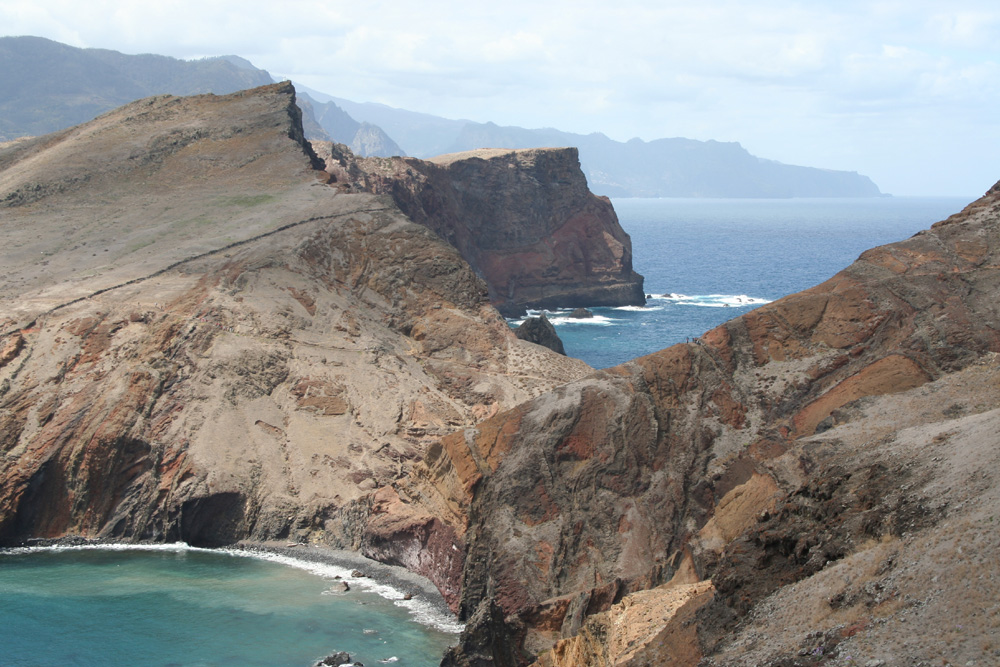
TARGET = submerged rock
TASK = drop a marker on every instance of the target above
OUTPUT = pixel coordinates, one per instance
(581, 314)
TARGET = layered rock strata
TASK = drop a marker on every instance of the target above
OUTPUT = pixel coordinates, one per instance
(524, 220)
(840, 423)
(206, 338)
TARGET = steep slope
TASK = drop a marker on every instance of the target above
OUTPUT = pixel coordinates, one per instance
(560, 246)
(842, 423)
(219, 343)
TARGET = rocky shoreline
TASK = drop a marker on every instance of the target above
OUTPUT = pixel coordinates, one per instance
(344, 378)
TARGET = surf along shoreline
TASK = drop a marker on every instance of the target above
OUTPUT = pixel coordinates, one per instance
(391, 582)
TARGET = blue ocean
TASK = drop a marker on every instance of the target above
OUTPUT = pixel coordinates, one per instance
(705, 261)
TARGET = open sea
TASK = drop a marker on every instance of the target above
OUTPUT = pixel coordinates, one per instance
(715, 259)
(705, 261)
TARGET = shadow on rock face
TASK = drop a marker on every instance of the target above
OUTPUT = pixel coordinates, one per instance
(540, 331)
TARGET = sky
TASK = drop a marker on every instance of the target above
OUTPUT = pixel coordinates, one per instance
(907, 93)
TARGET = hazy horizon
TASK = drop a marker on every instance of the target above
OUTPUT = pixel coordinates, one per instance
(904, 93)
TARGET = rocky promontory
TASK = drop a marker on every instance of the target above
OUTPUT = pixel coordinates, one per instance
(205, 337)
(523, 219)
(211, 331)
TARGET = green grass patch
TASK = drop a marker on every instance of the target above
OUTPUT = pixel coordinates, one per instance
(200, 221)
(138, 245)
(248, 200)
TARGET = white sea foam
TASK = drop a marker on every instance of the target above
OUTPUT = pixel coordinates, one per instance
(174, 547)
(596, 320)
(422, 611)
(562, 316)
(639, 309)
(712, 300)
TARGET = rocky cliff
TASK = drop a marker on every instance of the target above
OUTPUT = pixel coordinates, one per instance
(812, 481)
(205, 337)
(524, 220)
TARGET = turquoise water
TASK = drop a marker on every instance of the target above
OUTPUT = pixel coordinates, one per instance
(178, 606)
(723, 257)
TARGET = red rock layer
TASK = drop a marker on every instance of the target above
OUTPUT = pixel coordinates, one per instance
(524, 220)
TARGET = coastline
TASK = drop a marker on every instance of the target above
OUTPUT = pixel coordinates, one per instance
(381, 578)
(391, 582)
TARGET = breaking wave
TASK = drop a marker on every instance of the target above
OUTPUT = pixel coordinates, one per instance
(422, 611)
(711, 300)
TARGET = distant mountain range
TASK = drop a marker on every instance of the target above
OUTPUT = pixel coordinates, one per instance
(46, 86)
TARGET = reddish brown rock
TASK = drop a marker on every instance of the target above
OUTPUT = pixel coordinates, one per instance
(225, 345)
(524, 220)
(698, 455)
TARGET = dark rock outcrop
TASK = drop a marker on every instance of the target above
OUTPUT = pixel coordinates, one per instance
(334, 660)
(540, 331)
(524, 220)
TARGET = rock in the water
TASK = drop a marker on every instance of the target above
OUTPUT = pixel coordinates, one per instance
(334, 660)
(581, 314)
(540, 331)
(340, 587)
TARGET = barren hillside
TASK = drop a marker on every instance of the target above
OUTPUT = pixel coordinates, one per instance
(206, 337)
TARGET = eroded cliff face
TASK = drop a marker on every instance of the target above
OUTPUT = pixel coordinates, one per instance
(204, 337)
(220, 341)
(807, 432)
(524, 220)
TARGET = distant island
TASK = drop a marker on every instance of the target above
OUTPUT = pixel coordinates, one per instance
(47, 86)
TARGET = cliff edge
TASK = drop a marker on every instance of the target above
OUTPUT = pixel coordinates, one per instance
(523, 219)
(814, 478)
(205, 337)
